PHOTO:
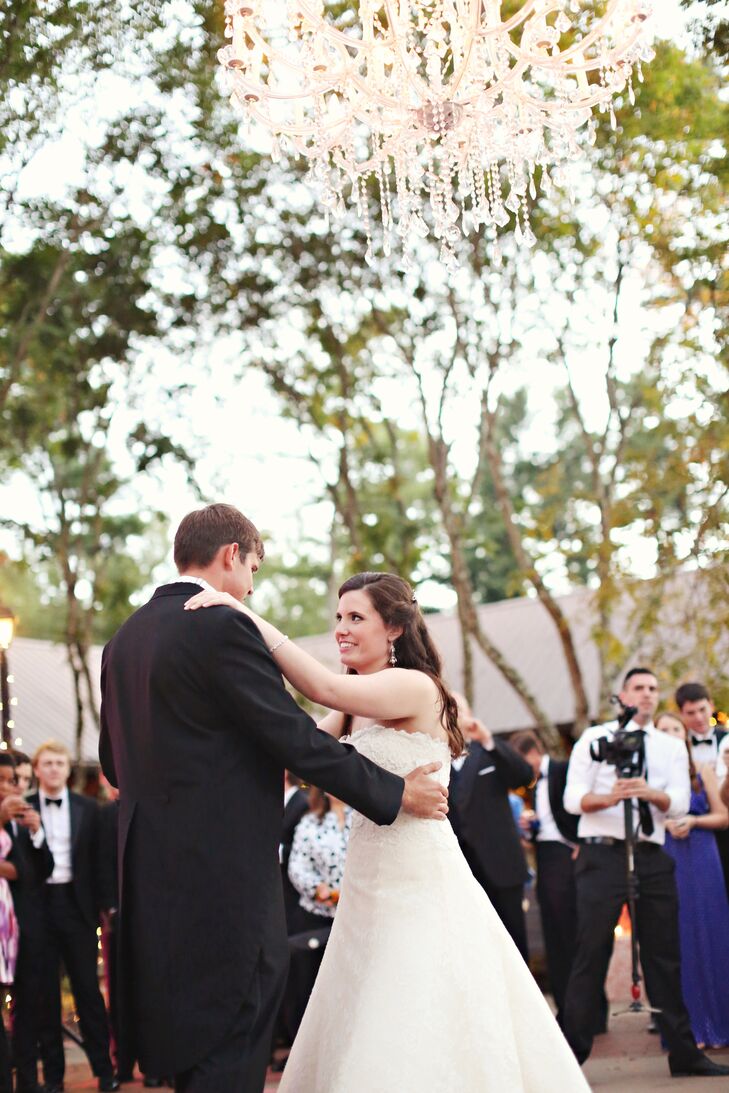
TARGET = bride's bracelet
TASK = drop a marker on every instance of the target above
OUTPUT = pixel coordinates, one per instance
(278, 644)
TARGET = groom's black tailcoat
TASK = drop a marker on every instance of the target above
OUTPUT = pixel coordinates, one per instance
(197, 728)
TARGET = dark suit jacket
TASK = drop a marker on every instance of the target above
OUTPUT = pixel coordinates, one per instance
(489, 836)
(197, 729)
(108, 855)
(84, 853)
(296, 807)
(33, 867)
(566, 822)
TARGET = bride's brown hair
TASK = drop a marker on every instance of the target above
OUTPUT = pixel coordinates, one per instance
(394, 601)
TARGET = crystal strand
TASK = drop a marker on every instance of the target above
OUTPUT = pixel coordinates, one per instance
(365, 214)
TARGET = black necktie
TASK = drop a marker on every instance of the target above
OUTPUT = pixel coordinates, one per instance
(695, 740)
(54, 801)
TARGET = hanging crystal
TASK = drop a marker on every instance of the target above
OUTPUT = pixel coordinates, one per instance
(433, 101)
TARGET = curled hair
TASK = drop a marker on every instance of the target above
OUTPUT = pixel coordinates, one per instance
(393, 600)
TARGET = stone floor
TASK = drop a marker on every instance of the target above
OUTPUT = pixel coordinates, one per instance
(626, 1060)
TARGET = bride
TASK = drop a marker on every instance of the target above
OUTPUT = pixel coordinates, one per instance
(421, 989)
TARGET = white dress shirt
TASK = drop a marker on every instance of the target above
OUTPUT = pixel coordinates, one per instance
(548, 830)
(190, 580)
(57, 826)
(709, 750)
(666, 770)
(722, 762)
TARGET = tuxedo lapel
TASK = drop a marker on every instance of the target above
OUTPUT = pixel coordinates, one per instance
(76, 810)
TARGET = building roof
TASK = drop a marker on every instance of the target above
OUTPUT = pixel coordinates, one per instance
(666, 633)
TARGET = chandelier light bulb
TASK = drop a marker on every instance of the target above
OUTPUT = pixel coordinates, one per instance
(451, 111)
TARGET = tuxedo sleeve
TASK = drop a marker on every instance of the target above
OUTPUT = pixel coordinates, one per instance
(106, 757)
(513, 771)
(250, 690)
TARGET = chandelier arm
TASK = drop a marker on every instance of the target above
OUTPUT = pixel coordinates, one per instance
(418, 85)
(574, 52)
(475, 20)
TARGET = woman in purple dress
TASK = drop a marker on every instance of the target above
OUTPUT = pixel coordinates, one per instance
(703, 906)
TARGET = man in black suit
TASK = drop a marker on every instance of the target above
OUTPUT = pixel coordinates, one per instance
(555, 844)
(33, 863)
(71, 918)
(296, 805)
(197, 729)
(487, 832)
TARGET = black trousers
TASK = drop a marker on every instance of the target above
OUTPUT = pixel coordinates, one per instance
(507, 902)
(557, 896)
(27, 989)
(6, 1076)
(600, 874)
(239, 1063)
(70, 939)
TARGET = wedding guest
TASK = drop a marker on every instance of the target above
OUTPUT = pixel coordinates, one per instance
(318, 853)
(9, 933)
(597, 793)
(708, 742)
(296, 806)
(555, 842)
(487, 833)
(72, 905)
(33, 862)
(23, 771)
(703, 907)
(316, 867)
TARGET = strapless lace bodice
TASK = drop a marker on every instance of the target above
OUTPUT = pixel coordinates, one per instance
(400, 751)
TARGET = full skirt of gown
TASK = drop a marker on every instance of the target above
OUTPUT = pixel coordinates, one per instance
(421, 989)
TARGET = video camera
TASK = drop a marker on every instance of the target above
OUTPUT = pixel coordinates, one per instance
(625, 749)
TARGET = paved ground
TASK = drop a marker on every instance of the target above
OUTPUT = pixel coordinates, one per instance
(626, 1060)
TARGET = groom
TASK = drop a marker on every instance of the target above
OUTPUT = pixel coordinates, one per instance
(197, 729)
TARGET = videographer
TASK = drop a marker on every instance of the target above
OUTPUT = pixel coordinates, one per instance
(596, 791)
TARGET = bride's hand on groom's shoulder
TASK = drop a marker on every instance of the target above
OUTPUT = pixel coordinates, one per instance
(208, 598)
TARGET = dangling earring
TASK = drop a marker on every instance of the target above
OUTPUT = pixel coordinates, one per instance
(393, 658)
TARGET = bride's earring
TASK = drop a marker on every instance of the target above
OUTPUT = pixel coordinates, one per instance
(393, 658)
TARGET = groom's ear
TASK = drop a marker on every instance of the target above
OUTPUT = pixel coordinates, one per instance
(229, 554)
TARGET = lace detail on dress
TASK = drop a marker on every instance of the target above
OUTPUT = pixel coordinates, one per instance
(421, 989)
(400, 751)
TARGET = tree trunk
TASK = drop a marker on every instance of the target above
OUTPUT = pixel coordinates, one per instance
(467, 612)
(528, 568)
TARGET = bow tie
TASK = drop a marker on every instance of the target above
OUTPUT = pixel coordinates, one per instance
(702, 740)
(54, 801)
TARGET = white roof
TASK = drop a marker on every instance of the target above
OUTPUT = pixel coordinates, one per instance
(520, 628)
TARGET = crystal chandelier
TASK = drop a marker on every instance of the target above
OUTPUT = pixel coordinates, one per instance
(453, 109)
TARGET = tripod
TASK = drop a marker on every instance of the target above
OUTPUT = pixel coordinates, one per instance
(633, 890)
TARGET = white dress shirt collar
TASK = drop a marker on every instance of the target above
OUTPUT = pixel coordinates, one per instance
(62, 797)
(187, 579)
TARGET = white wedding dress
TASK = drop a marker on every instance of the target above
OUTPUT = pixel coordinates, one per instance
(421, 989)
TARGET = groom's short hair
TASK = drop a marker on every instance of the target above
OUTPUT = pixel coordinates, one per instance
(202, 533)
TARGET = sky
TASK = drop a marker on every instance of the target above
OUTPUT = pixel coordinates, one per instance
(247, 453)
